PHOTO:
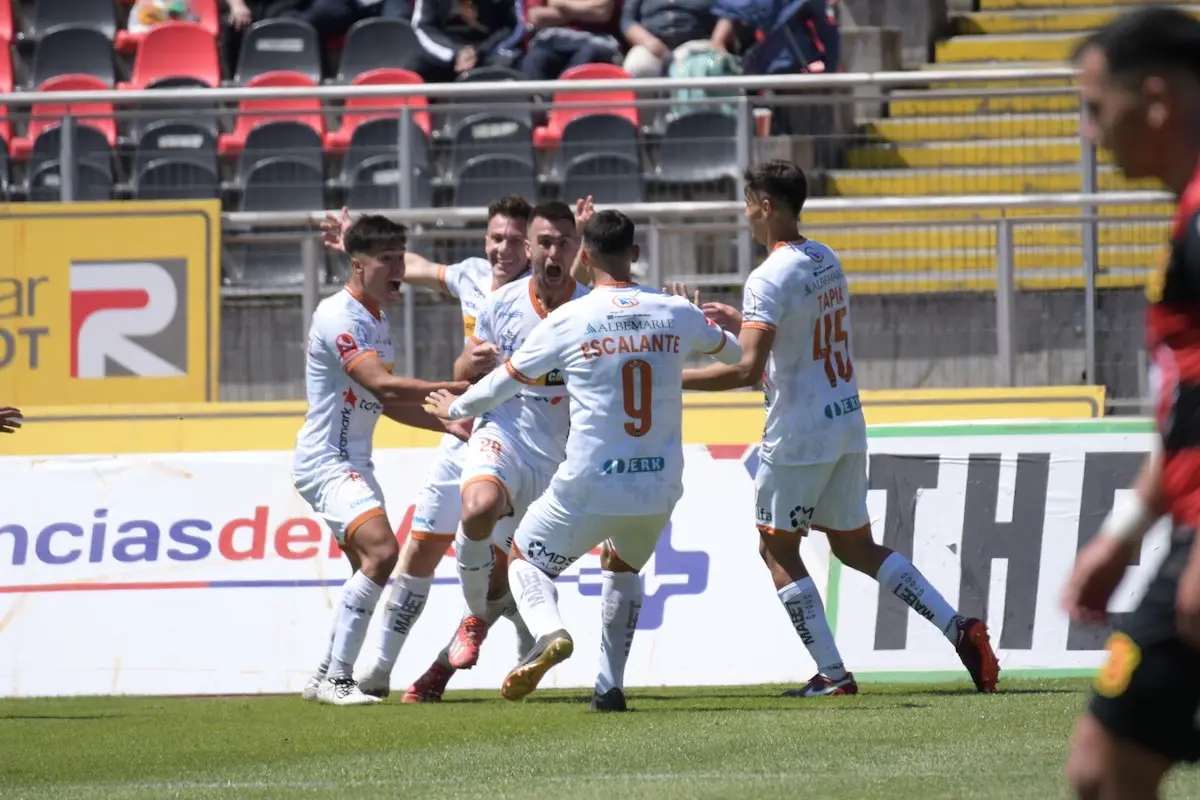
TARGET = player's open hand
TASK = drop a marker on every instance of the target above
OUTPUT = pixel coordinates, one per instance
(1187, 603)
(728, 317)
(1098, 569)
(585, 209)
(438, 403)
(460, 428)
(334, 228)
(10, 419)
(482, 359)
(681, 290)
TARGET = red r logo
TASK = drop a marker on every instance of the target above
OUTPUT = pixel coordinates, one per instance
(345, 345)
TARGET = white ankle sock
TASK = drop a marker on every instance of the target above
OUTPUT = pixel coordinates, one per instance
(536, 597)
(403, 608)
(359, 598)
(803, 604)
(475, 571)
(620, 602)
(898, 575)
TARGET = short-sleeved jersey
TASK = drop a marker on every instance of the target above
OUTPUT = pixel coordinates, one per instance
(622, 350)
(341, 417)
(538, 417)
(1173, 339)
(813, 410)
(469, 280)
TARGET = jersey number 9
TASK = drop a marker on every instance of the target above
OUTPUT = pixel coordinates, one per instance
(638, 386)
(831, 344)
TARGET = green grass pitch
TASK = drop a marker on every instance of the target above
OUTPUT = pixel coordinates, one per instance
(891, 742)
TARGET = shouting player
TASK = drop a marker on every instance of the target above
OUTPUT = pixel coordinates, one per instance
(516, 447)
(795, 336)
(1140, 79)
(621, 350)
(439, 504)
(349, 384)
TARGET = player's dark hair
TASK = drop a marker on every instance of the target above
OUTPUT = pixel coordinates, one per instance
(609, 234)
(512, 206)
(371, 234)
(1147, 41)
(553, 211)
(781, 181)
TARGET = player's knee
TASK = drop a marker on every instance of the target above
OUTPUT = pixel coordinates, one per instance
(612, 562)
(1087, 760)
(858, 550)
(483, 504)
(375, 546)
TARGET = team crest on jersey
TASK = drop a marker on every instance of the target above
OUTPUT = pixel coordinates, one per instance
(346, 345)
(624, 302)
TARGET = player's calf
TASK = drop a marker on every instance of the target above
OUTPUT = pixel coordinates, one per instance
(1101, 766)
(484, 502)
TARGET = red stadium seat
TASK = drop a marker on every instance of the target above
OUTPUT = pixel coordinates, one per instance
(47, 115)
(6, 23)
(176, 50)
(355, 108)
(209, 14)
(616, 101)
(252, 113)
(6, 70)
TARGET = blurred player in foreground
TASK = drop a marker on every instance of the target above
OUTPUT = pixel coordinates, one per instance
(349, 384)
(516, 446)
(621, 350)
(795, 336)
(10, 419)
(1140, 79)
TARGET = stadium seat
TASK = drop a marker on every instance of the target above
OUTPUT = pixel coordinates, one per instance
(699, 147)
(208, 17)
(607, 178)
(4, 173)
(484, 134)
(517, 106)
(615, 101)
(91, 183)
(168, 179)
(6, 69)
(5, 130)
(48, 115)
(375, 183)
(295, 140)
(484, 178)
(176, 50)
(606, 134)
(378, 43)
(359, 110)
(276, 184)
(175, 140)
(47, 16)
(279, 45)
(90, 146)
(252, 113)
(381, 137)
(196, 113)
(6, 22)
(73, 51)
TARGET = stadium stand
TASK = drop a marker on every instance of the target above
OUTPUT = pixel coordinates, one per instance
(618, 101)
(253, 113)
(6, 22)
(698, 147)
(47, 115)
(208, 17)
(377, 43)
(360, 110)
(73, 51)
(176, 50)
(279, 45)
(47, 16)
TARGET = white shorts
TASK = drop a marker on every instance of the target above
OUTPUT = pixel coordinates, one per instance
(345, 498)
(493, 456)
(439, 503)
(552, 538)
(831, 496)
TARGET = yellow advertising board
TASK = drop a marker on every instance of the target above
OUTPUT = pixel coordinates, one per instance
(109, 302)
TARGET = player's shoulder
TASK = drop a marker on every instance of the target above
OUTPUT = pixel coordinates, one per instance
(343, 308)
(476, 270)
(510, 292)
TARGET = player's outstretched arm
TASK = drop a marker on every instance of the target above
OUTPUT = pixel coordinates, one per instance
(10, 419)
(420, 271)
(390, 389)
(585, 209)
(414, 416)
(477, 359)
(756, 345)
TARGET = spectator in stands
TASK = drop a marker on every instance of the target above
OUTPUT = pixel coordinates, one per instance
(459, 35)
(145, 14)
(239, 15)
(568, 33)
(332, 18)
(793, 35)
(659, 31)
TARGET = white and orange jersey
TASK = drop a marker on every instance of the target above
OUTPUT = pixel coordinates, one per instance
(341, 417)
(621, 349)
(813, 410)
(538, 417)
(471, 281)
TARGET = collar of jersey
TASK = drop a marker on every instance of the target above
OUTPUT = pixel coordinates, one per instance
(366, 303)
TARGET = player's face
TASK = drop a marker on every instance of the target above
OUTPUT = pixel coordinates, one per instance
(507, 247)
(382, 274)
(552, 246)
(758, 214)
(1118, 119)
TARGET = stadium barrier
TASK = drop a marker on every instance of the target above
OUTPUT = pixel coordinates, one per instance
(205, 573)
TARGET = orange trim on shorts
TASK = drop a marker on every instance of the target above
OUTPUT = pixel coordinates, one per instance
(430, 536)
(357, 359)
(489, 479)
(758, 326)
(357, 522)
(518, 375)
(769, 531)
(516, 552)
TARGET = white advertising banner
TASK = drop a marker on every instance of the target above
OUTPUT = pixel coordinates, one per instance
(207, 574)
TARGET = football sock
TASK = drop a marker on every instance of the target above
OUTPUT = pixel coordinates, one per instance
(803, 604)
(359, 598)
(898, 575)
(620, 602)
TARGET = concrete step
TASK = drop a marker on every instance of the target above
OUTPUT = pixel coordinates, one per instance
(958, 238)
(959, 263)
(963, 180)
(1025, 83)
(814, 218)
(1124, 5)
(1043, 20)
(1040, 280)
(961, 129)
(983, 153)
(1007, 47)
(932, 103)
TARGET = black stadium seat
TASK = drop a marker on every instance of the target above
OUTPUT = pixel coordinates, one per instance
(381, 137)
(279, 183)
(292, 140)
(607, 178)
(279, 45)
(516, 106)
(486, 134)
(91, 183)
(176, 140)
(375, 183)
(700, 147)
(168, 179)
(91, 146)
(46, 16)
(73, 51)
(375, 43)
(597, 134)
